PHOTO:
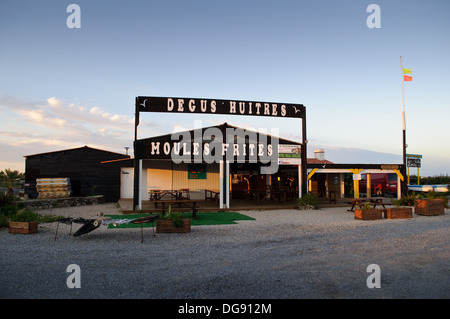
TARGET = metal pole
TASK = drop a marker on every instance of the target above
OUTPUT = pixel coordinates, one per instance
(136, 190)
(304, 155)
(404, 186)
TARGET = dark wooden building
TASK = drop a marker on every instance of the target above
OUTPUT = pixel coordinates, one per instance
(82, 165)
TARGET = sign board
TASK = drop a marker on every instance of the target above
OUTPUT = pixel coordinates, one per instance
(389, 166)
(210, 106)
(289, 154)
(413, 162)
(413, 156)
(196, 171)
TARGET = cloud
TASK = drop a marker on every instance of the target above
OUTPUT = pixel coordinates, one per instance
(38, 126)
(94, 110)
(54, 102)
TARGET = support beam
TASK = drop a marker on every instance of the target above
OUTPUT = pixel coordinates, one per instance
(224, 197)
(311, 173)
(300, 190)
(140, 185)
(356, 171)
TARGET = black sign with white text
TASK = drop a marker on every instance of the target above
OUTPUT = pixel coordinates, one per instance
(210, 106)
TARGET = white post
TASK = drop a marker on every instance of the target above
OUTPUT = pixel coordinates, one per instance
(227, 184)
(299, 181)
(222, 191)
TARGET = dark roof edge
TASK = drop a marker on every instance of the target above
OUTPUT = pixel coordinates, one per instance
(73, 149)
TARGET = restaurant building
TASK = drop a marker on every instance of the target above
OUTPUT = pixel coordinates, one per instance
(224, 163)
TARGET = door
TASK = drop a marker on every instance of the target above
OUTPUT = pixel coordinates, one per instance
(126, 182)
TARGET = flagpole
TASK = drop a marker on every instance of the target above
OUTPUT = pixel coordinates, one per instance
(403, 94)
(404, 122)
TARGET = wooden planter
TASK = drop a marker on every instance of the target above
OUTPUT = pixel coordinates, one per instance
(368, 214)
(399, 213)
(23, 227)
(429, 207)
(167, 226)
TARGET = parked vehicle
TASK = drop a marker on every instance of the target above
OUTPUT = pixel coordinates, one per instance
(382, 184)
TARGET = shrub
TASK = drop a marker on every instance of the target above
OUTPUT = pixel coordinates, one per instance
(11, 210)
(4, 220)
(177, 219)
(407, 200)
(308, 201)
(6, 198)
(25, 215)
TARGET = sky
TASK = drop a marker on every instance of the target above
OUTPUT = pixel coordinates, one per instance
(63, 87)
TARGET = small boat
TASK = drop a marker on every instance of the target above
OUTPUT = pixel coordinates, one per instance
(428, 188)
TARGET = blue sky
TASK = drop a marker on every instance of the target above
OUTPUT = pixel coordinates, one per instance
(62, 88)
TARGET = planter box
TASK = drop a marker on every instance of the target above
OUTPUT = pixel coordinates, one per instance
(166, 226)
(23, 227)
(429, 207)
(368, 214)
(399, 213)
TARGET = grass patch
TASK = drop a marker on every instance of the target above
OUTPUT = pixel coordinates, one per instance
(207, 218)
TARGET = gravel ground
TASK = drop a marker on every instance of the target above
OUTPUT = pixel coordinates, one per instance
(283, 254)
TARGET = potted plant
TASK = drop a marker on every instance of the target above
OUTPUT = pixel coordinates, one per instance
(173, 223)
(23, 222)
(400, 211)
(432, 205)
(366, 212)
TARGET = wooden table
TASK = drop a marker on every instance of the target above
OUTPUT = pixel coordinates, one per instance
(192, 204)
(278, 195)
(160, 194)
(359, 202)
(259, 194)
(212, 194)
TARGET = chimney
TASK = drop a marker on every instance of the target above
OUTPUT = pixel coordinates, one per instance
(319, 154)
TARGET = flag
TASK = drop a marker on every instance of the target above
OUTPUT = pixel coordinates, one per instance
(407, 78)
(406, 71)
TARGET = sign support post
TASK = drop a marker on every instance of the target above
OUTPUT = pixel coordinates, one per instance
(304, 188)
(136, 188)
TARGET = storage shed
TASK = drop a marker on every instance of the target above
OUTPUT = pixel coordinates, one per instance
(82, 166)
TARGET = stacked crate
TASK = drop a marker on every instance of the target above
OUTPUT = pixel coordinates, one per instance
(53, 187)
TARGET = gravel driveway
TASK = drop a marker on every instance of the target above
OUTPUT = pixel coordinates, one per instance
(282, 254)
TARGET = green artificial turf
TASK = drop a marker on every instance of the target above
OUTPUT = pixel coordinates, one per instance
(209, 218)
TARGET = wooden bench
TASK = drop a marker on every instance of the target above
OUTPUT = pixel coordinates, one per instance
(192, 204)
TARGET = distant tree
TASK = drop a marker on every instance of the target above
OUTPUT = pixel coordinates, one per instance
(10, 178)
(430, 180)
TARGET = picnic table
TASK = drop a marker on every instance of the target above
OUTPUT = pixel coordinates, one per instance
(191, 204)
(160, 194)
(360, 202)
(259, 194)
(278, 195)
(212, 194)
(273, 194)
